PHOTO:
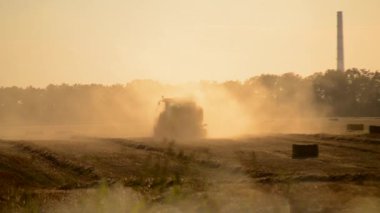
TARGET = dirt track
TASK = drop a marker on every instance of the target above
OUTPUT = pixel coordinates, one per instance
(252, 174)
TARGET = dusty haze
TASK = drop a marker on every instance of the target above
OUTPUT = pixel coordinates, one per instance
(230, 110)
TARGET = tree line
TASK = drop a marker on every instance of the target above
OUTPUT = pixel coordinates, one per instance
(355, 92)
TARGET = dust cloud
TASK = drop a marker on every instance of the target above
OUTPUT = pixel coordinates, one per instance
(230, 109)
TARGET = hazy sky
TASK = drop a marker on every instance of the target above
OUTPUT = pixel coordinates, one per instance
(116, 41)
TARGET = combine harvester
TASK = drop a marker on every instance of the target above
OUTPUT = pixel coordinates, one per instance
(180, 119)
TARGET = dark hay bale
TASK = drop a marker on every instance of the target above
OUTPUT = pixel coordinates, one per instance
(355, 127)
(374, 129)
(305, 151)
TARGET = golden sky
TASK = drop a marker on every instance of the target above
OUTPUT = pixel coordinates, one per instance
(116, 41)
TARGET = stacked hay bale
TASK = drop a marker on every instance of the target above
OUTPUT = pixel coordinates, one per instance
(374, 129)
(301, 151)
(355, 127)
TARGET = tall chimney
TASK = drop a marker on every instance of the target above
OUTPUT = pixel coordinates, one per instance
(340, 57)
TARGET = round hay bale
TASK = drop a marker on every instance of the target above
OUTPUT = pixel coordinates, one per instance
(305, 151)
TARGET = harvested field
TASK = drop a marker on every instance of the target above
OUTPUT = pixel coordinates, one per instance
(255, 174)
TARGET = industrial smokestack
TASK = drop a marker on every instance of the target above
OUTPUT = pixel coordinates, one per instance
(340, 48)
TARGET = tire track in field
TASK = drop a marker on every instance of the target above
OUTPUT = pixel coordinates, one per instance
(57, 161)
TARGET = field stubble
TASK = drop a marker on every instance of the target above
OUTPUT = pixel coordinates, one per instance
(255, 174)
